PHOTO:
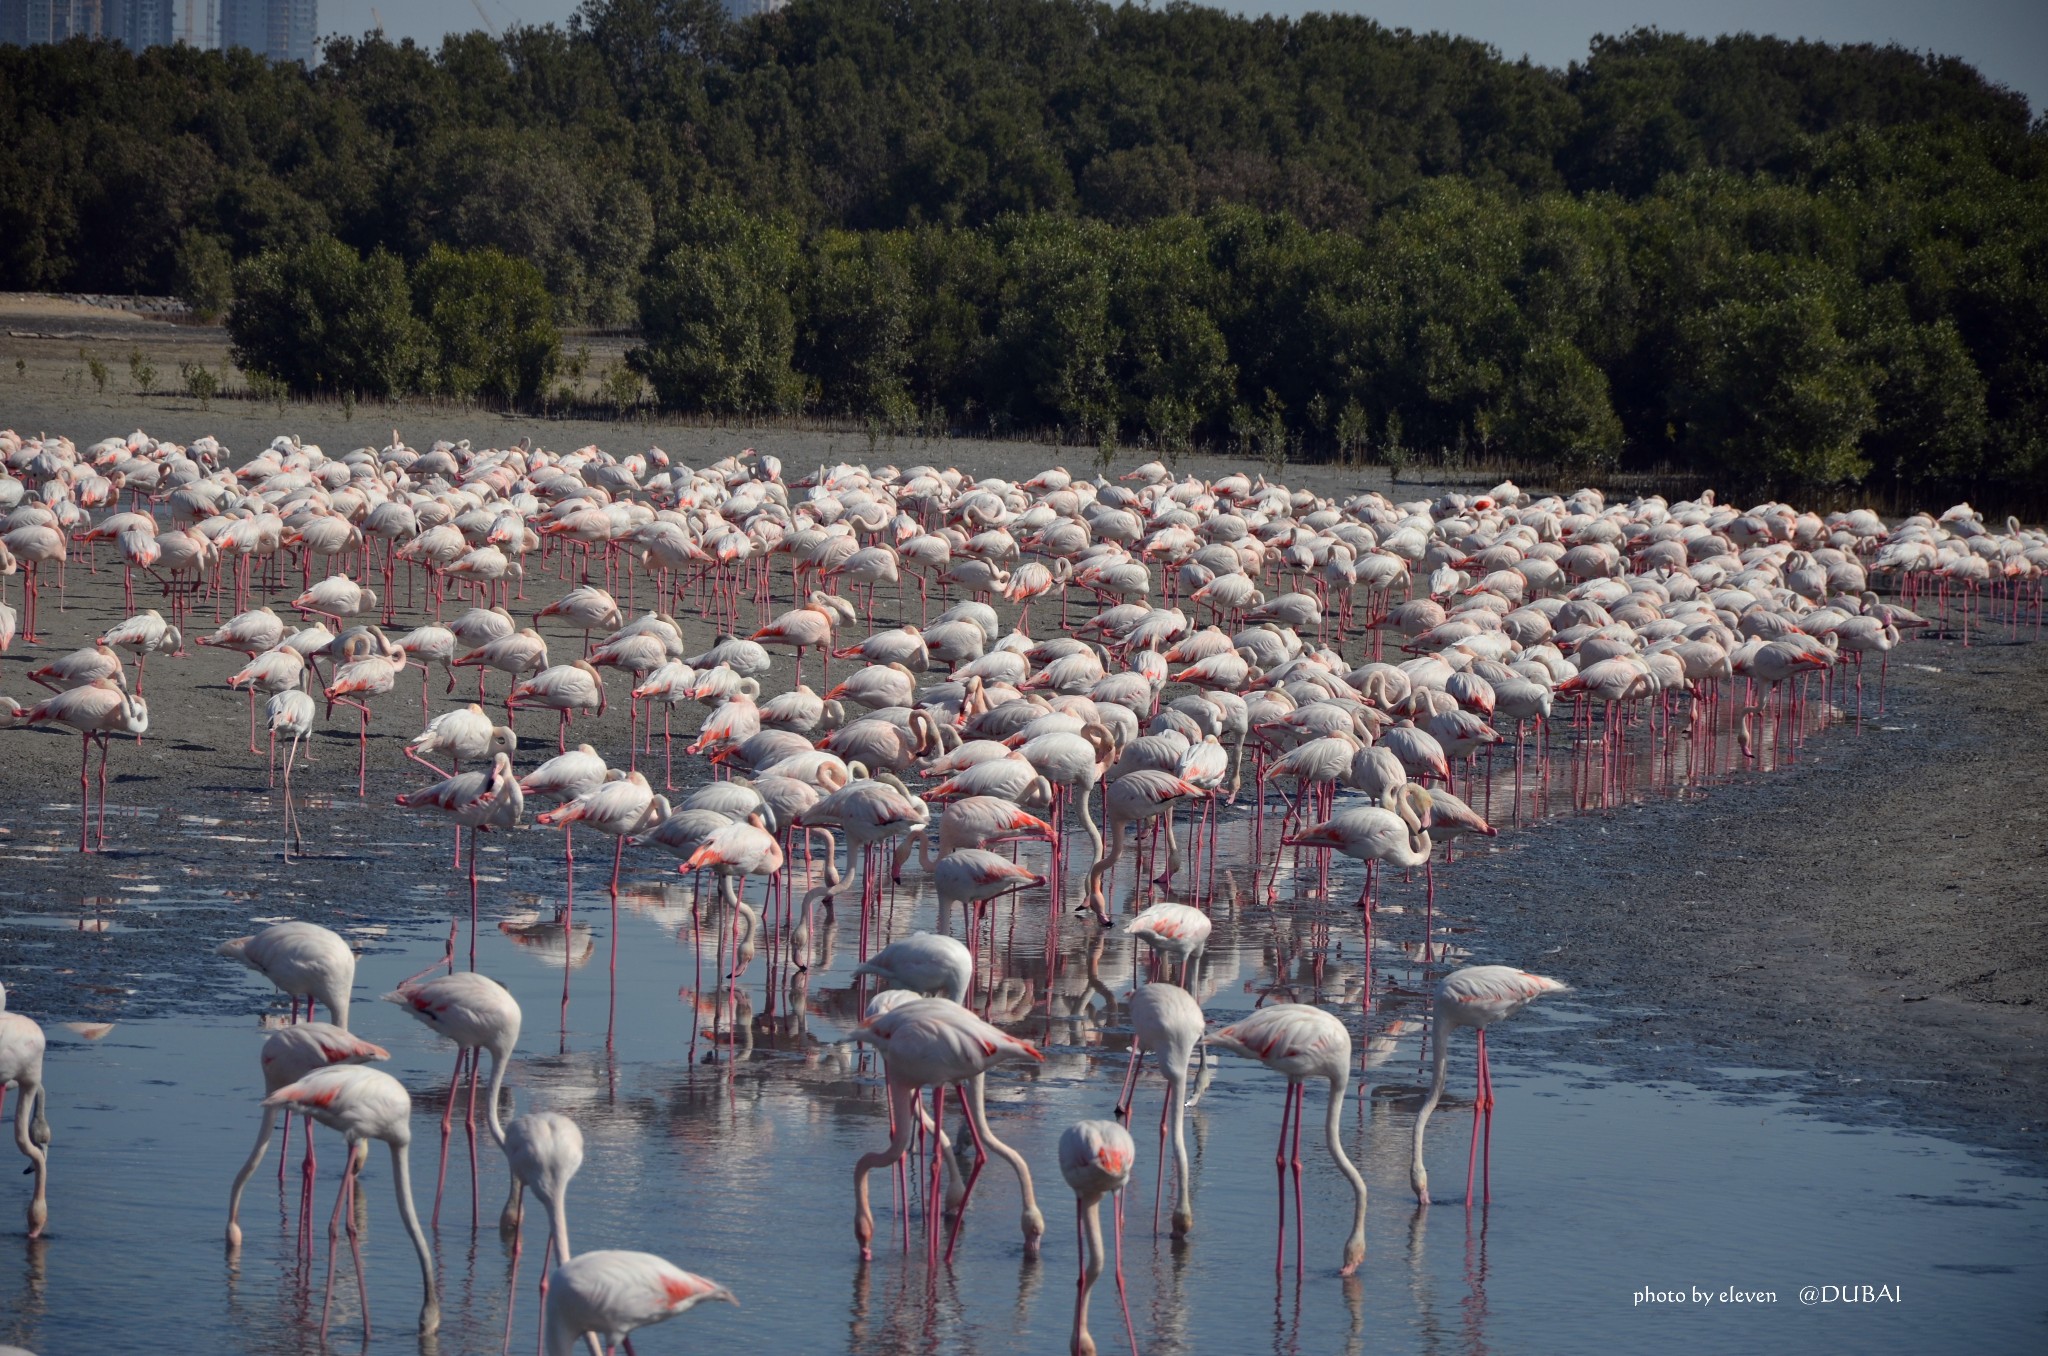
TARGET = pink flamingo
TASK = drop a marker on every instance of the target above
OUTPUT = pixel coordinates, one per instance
(610, 1293)
(364, 673)
(1303, 1042)
(289, 1054)
(365, 1104)
(1096, 1158)
(477, 1013)
(21, 1064)
(936, 1043)
(98, 711)
(1476, 996)
(1166, 1021)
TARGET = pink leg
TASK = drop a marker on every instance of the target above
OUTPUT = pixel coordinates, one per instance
(1280, 1177)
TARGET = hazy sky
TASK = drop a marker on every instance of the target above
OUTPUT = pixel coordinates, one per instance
(2006, 39)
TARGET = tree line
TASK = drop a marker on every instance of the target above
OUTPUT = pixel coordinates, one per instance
(1784, 265)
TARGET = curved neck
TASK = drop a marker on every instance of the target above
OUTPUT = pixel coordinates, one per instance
(558, 1224)
(1418, 1175)
(401, 1178)
(1090, 1211)
(497, 1087)
(1354, 1247)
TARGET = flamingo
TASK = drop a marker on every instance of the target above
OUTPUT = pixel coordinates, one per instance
(274, 671)
(936, 1043)
(291, 713)
(365, 1104)
(465, 735)
(289, 1054)
(567, 688)
(426, 645)
(37, 546)
(21, 1065)
(1096, 1158)
(1476, 996)
(476, 801)
(924, 963)
(521, 654)
(1134, 799)
(588, 607)
(1302, 1042)
(477, 1013)
(561, 779)
(1375, 835)
(620, 808)
(363, 674)
(974, 876)
(304, 960)
(809, 628)
(142, 635)
(1166, 1021)
(612, 1293)
(1175, 932)
(98, 711)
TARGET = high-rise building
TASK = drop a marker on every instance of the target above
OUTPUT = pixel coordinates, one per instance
(137, 23)
(26, 22)
(283, 30)
(142, 23)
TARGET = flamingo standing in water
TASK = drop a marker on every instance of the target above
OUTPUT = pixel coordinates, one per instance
(21, 1064)
(924, 963)
(936, 1043)
(289, 1054)
(98, 711)
(1096, 1159)
(611, 1293)
(1476, 996)
(304, 960)
(561, 779)
(1302, 1042)
(1136, 798)
(477, 801)
(365, 1104)
(544, 1150)
(1175, 932)
(1166, 1021)
(477, 1013)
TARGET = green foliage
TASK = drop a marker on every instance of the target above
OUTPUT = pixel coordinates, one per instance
(490, 325)
(1777, 263)
(205, 275)
(856, 342)
(325, 320)
(201, 383)
(141, 371)
(716, 313)
(96, 368)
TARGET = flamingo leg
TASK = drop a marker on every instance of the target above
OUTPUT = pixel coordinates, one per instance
(1280, 1176)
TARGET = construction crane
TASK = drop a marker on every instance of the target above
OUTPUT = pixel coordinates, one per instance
(485, 15)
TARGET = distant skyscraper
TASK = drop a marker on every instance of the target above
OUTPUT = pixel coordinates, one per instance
(283, 30)
(141, 24)
(26, 22)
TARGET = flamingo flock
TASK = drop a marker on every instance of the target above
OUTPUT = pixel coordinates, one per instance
(1355, 666)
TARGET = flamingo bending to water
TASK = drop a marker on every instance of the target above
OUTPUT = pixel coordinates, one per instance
(1476, 996)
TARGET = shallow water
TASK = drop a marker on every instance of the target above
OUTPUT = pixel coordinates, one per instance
(738, 1168)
